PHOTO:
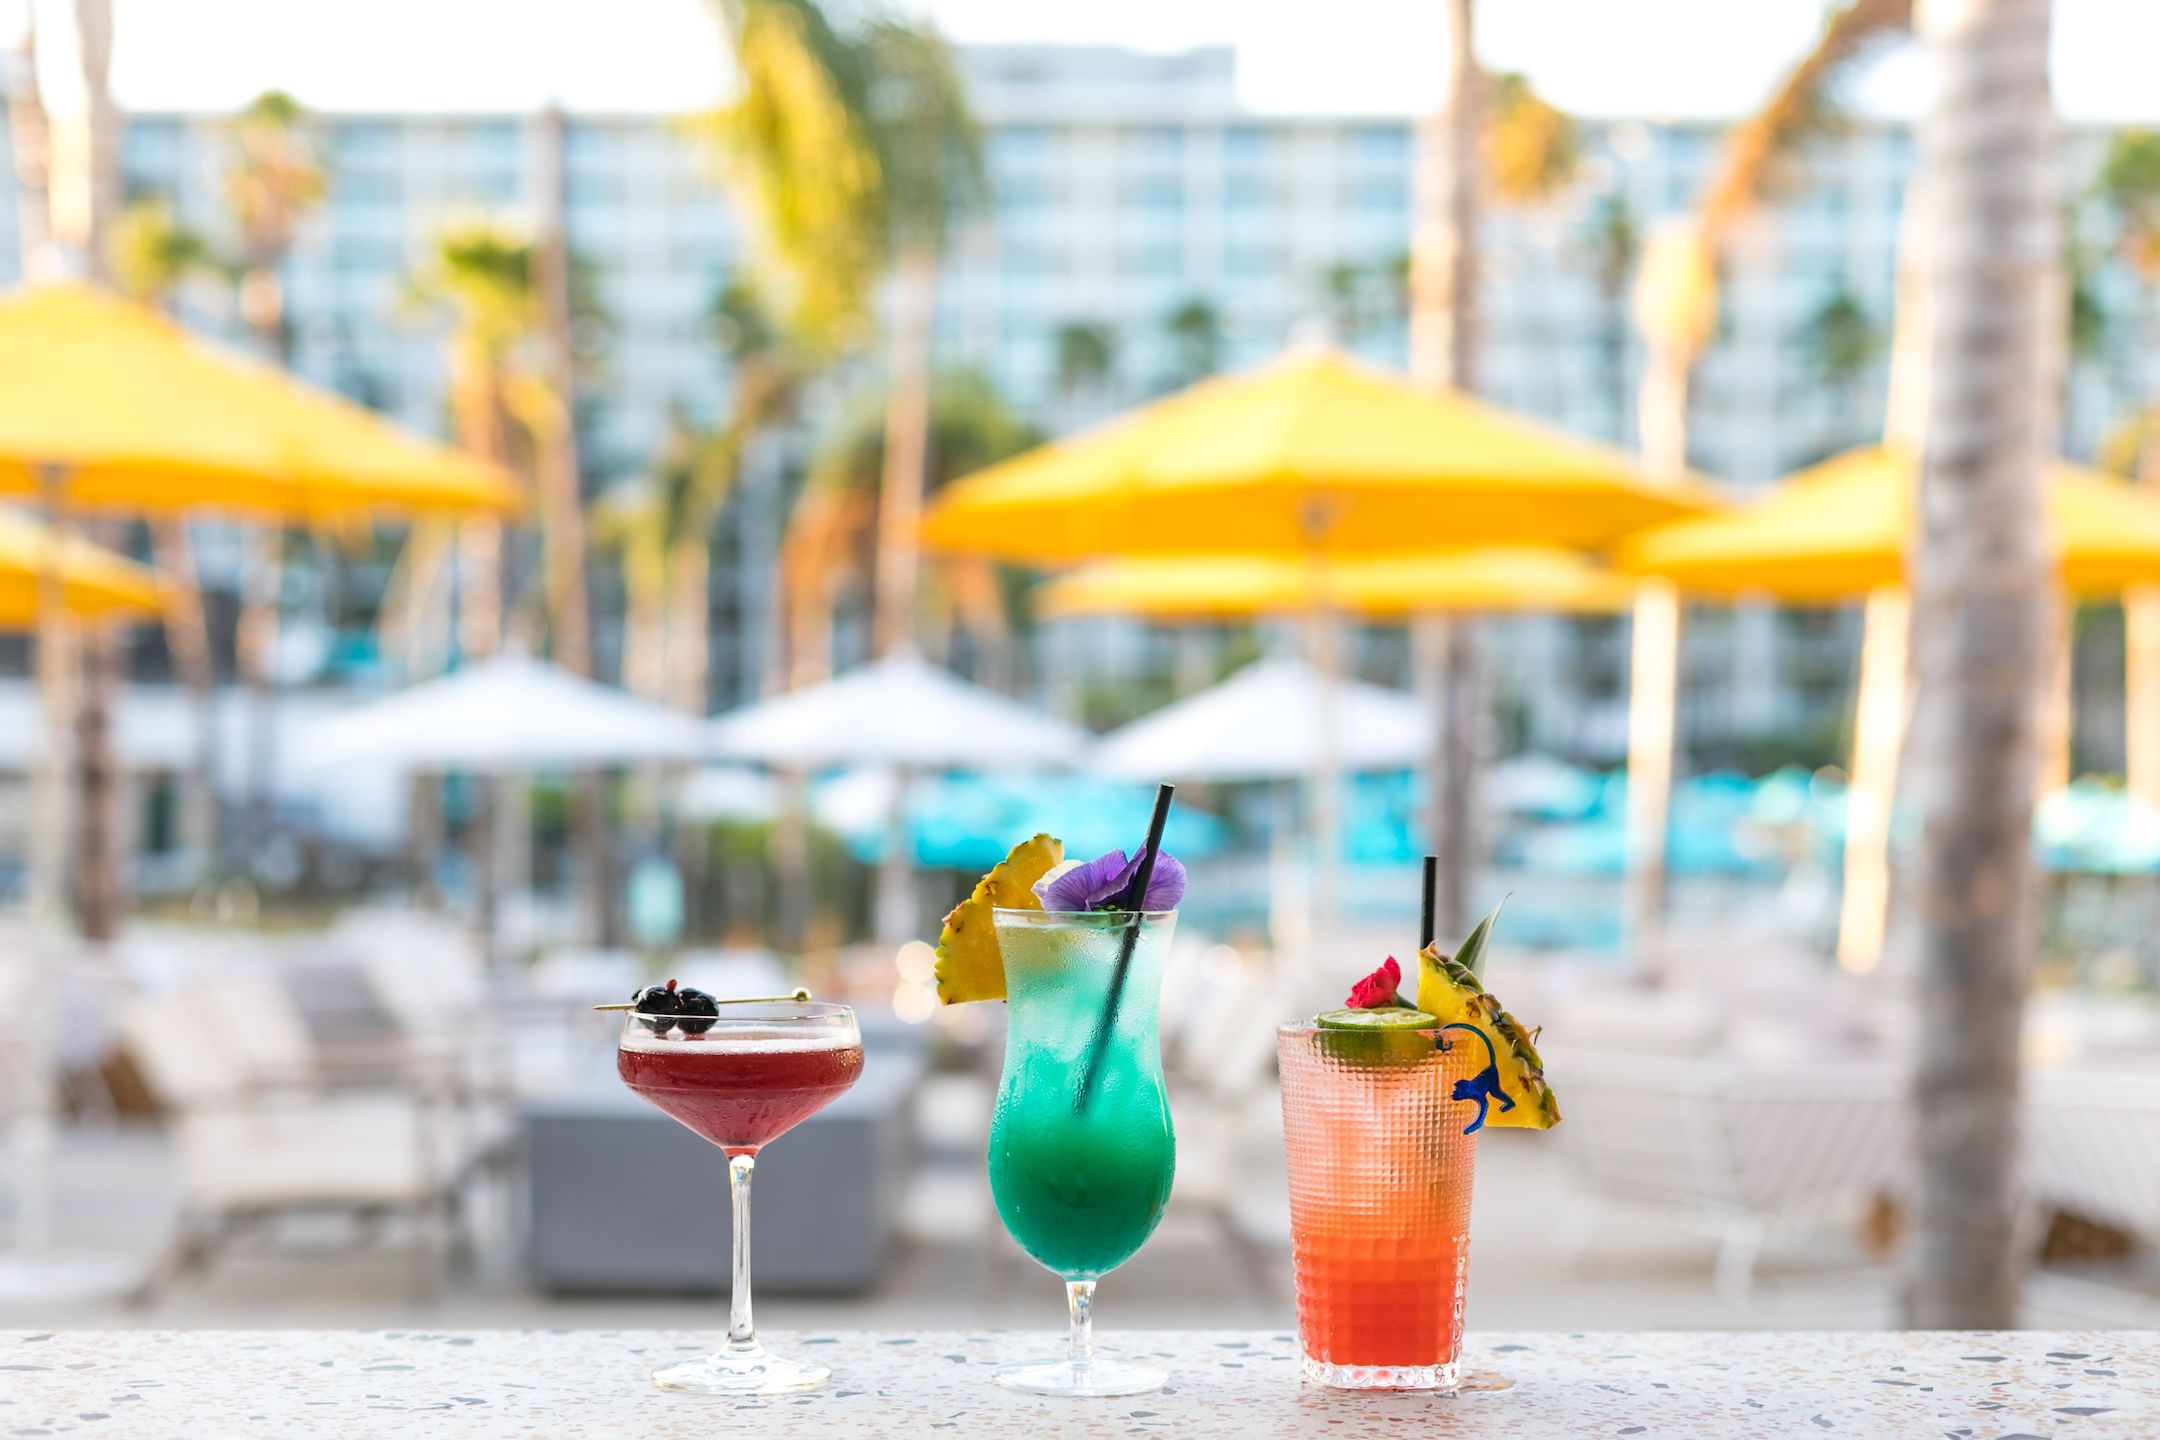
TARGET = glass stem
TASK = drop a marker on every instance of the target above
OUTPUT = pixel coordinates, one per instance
(1080, 1304)
(741, 1332)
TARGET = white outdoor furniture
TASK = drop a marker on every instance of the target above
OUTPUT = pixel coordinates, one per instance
(258, 1135)
(1742, 1151)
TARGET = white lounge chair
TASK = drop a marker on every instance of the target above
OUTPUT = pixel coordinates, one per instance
(1743, 1152)
(253, 1145)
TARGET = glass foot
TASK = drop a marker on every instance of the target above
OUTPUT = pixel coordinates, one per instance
(1382, 1377)
(1095, 1379)
(741, 1370)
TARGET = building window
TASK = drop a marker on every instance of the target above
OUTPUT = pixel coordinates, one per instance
(1249, 146)
(1021, 147)
(1153, 147)
(1378, 146)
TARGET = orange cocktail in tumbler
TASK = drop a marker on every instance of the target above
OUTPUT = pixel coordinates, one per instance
(1380, 1175)
(1382, 1104)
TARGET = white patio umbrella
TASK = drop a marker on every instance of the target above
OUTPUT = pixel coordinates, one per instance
(1271, 721)
(506, 716)
(901, 711)
(904, 713)
(1278, 719)
(511, 715)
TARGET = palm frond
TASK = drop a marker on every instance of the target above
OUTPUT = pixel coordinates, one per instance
(1757, 155)
(1530, 149)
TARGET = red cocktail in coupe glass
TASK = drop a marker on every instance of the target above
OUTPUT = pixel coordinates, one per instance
(741, 1078)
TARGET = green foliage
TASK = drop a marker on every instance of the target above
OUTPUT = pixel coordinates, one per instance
(970, 427)
(2130, 184)
(1086, 354)
(851, 145)
(1530, 149)
(1196, 339)
(1841, 338)
(1360, 296)
(151, 252)
(276, 176)
(1611, 242)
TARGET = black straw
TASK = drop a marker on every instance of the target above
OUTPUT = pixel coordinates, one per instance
(1132, 902)
(1428, 925)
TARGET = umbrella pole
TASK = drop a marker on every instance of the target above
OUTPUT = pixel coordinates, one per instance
(895, 911)
(1446, 659)
(51, 824)
(1879, 714)
(1326, 781)
(1653, 697)
(2057, 706)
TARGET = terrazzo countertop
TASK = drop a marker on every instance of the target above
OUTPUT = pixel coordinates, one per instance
(565, 1385)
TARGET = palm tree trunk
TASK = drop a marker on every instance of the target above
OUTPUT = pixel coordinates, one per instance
(83, 193)
(2058, 701)
(562, 507)
(1981, 601)
(187, 637)
(1879, 714)
(2141, 653)
(907, 441)
(689, 626)
(1443, 355)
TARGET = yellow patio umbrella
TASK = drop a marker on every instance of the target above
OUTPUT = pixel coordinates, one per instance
(106, 404)
(1315, 453)
(1841, 531)
(1511, 578)
(95, 584)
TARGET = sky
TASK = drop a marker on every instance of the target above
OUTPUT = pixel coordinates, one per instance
(1680, 58)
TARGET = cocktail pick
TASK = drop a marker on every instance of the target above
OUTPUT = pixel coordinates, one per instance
(1428, 925)
(798, 995)
(1131, 901)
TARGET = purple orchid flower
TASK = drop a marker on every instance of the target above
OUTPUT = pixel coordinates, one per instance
(1098, 884)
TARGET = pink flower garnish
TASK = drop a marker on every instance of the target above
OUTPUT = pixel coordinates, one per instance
(1377, 990)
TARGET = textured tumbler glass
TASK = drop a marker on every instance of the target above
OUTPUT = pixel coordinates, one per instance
(1380, 1173)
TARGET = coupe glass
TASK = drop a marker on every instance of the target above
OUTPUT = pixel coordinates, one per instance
(741, 1081)
(1081, 1151)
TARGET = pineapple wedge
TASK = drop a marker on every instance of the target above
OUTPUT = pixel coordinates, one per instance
(968, 964)
(1514, 1086)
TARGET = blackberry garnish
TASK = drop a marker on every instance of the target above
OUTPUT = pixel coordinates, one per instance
(699, 1011)
(661, 1004)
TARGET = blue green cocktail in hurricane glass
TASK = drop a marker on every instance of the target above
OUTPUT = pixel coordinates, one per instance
(1081, 1150)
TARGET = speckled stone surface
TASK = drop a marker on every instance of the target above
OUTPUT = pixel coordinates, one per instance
(567, 1385)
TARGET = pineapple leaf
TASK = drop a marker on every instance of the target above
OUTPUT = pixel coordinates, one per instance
(1471, 956)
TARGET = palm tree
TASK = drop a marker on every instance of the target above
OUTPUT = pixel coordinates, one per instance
(1842, 342)
(828, 535)
(1195, 332)
(663, 524)
(1982, 599)
(274, 179)
(1443, 354)
(1346, 301)
(2130, 184)
(150, 253)
(1530, 149)
(481, 277)
(859, 155)
(1610, 243)
(1676, 306)
(1085, 361)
